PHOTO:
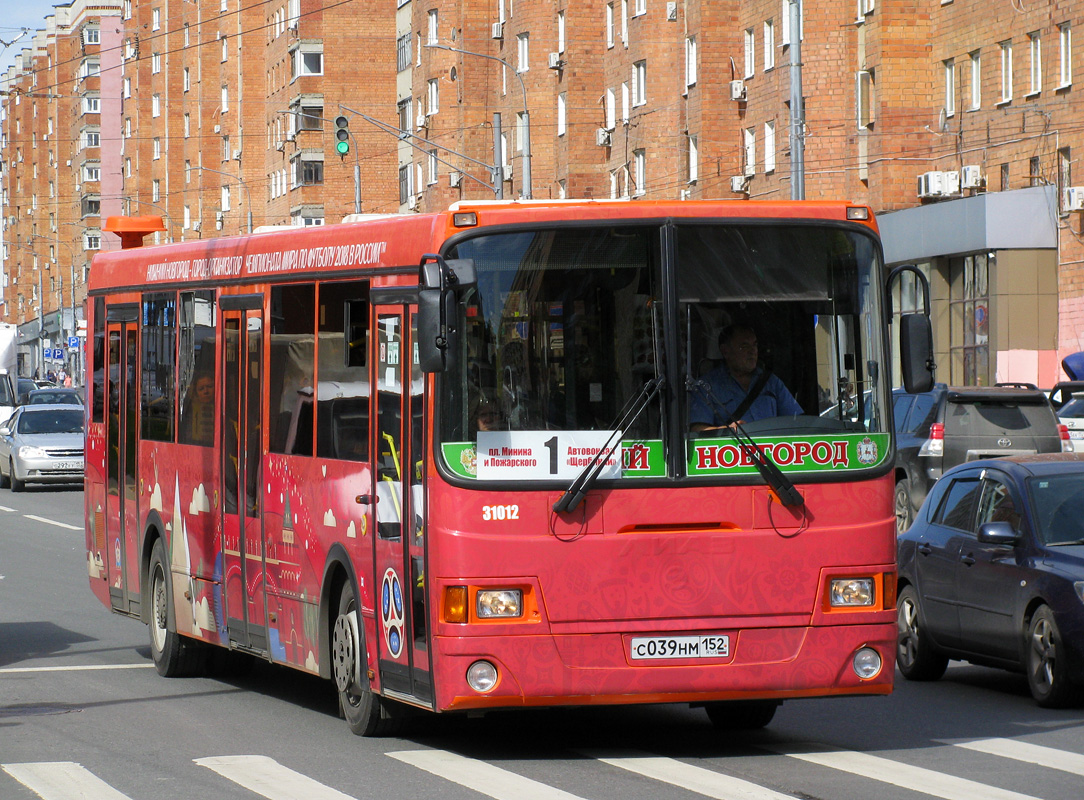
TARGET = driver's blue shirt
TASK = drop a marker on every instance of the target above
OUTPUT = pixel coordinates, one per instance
(714, 403)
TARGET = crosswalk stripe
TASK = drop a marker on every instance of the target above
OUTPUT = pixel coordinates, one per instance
(687, 776)
(483, 778)
(1030, 753)
(917, 779)
(269, 778)
(62, 780)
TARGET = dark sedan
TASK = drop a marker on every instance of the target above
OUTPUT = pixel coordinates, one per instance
(992, 572)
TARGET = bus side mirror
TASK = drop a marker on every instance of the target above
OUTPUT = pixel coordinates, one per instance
(916, 352)
(442, 281)
(432, 335)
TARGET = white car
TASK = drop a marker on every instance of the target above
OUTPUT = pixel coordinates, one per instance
(42, 444)
(1071, 415)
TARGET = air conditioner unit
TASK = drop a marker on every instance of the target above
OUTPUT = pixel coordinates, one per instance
(671, 12)
(280, 145)
(421, 120)
(739, 184)
(236, 155)
(497, 31)
(737, 90)
(684, 194)
(1074, 198)
(555, 61)
(931, 184)
(412, 202)
(218, 128)
(951, 183)
(291, 135)
(454, 178)
(218, 220)
(602, 137)
(196, 225)
(971, 177)
(506, 172)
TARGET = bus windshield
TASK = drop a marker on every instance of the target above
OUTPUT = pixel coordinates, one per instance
(770, 327)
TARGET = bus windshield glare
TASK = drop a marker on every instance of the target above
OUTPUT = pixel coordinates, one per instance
(770, 328)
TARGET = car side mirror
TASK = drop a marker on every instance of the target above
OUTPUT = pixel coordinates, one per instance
(5, 430)
(998, 533)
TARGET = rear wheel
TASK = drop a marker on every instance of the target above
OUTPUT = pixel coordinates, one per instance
(365, 713)
(903, 506)
(915, 656)
(1048, 670)
(174, 655)
(741, 715)
(16, 484)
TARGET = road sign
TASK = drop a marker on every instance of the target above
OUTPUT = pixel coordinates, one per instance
(58, 353)
(73, 342)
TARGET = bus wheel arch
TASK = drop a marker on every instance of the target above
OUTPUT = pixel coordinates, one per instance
(173, 655)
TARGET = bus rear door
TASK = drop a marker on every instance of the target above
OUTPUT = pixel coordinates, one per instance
(244, 554)
(399, 558)
(121, 424)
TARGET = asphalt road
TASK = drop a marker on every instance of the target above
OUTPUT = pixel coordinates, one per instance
(84, 715)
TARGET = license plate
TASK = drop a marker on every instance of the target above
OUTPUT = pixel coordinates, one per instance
(670, 647)
(1076, 434)
(67, 466)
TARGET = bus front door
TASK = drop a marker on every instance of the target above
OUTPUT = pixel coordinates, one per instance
(244, 556)
(399, 557)
(122, 420)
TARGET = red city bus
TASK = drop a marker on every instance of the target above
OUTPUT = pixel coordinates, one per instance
(497, 457)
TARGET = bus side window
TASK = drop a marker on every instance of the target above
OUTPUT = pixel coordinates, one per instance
(292, 368)
(342, 373)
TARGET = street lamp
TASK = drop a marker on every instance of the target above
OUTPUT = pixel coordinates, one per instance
(526, 188)
(240, 180)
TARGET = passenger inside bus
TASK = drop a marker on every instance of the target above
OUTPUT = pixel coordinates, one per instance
(741, 388)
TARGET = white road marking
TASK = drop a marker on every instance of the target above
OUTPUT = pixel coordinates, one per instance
(687, 776)
(74, 668)
(1031, 753)
(54, 522)
(483, 778)
(62, 780)
(917, 779)
(269, 778)
(5, 508)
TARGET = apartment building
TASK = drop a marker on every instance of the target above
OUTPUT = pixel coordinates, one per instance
(953, 120)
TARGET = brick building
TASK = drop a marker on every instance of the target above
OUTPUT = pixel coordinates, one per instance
(952, 119)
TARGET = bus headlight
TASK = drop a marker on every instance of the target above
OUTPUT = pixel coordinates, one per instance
(494, 603)
(481, 676)
(845, 592)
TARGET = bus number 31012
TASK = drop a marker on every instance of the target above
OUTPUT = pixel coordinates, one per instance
(499, 513)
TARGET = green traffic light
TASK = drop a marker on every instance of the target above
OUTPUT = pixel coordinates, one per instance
(342, 148)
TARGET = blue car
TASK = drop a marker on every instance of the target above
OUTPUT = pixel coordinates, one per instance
(992, 572)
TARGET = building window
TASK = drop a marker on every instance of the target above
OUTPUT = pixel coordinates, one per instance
(402, 52)
(308, 169)
(126, 88)
(784, 17)
(639, 171)
(92, 35)
(226, 148)
(625, 22)
(187, 125)
(976, 82)
(156, 63)
(750, 53)
(625, 102)
(864, 7)
(431, 159)
(611, 110)
(639, 7)
(156, 105)
(186, 80)
(92, 173)
(690, 61)
(523, 52)
(225, 50)
(560, 31)
(92, 139)
(864, 99)
(92, 105)
(769, 45)
(969, 320)
(405, 187)
(562, 121)
(1006, 71)
(750, 151)
(187, 171)
(769, 146)
(225, 99)
(1065, 176)
(308, 59)
(694, 159)
(156, 190)
(406, 117)
(950, 87)
(225, 198)
(609, 24)
(187, 39)
(1065, 55)
(156, 19)
(92, 241)
(156, 148)
(432, 97)
(1035, 172)
(639, 83)
(1035, 61)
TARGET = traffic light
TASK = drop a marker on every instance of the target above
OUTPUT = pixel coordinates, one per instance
(342, 134)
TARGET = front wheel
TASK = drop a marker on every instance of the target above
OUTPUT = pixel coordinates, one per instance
(915, 656)
(365, 713)
(3, 478)
(173, 654)
(1048, 670)
(16, 484)
(903, 506)
(741, 715)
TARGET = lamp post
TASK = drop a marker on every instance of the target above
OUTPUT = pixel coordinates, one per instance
(68, 332)
(240, 180)
(526, 188)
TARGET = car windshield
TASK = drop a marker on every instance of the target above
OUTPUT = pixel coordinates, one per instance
(1074, 408)
(1058, 501)
(46, 422)
(38, 398)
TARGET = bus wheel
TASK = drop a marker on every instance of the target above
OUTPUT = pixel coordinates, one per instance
(173, 655)
(364, 712)
(915, 656)
(741, 715)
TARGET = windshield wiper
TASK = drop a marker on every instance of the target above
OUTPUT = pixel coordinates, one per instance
(575, 493)
(785, 490)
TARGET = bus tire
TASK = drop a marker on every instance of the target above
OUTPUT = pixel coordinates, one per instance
(174, 655)
(741, 715)
(16, 484)
(915, 656)
(365, 712)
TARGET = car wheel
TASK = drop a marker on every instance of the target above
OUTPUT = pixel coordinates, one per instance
(903, 506)
(16, 484)
(915, 656)
(365, 712)
(174, 655)
(3, 478)
(1047, 666)
(741, 715)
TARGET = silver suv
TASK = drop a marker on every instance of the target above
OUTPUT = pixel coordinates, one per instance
(939, 429)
